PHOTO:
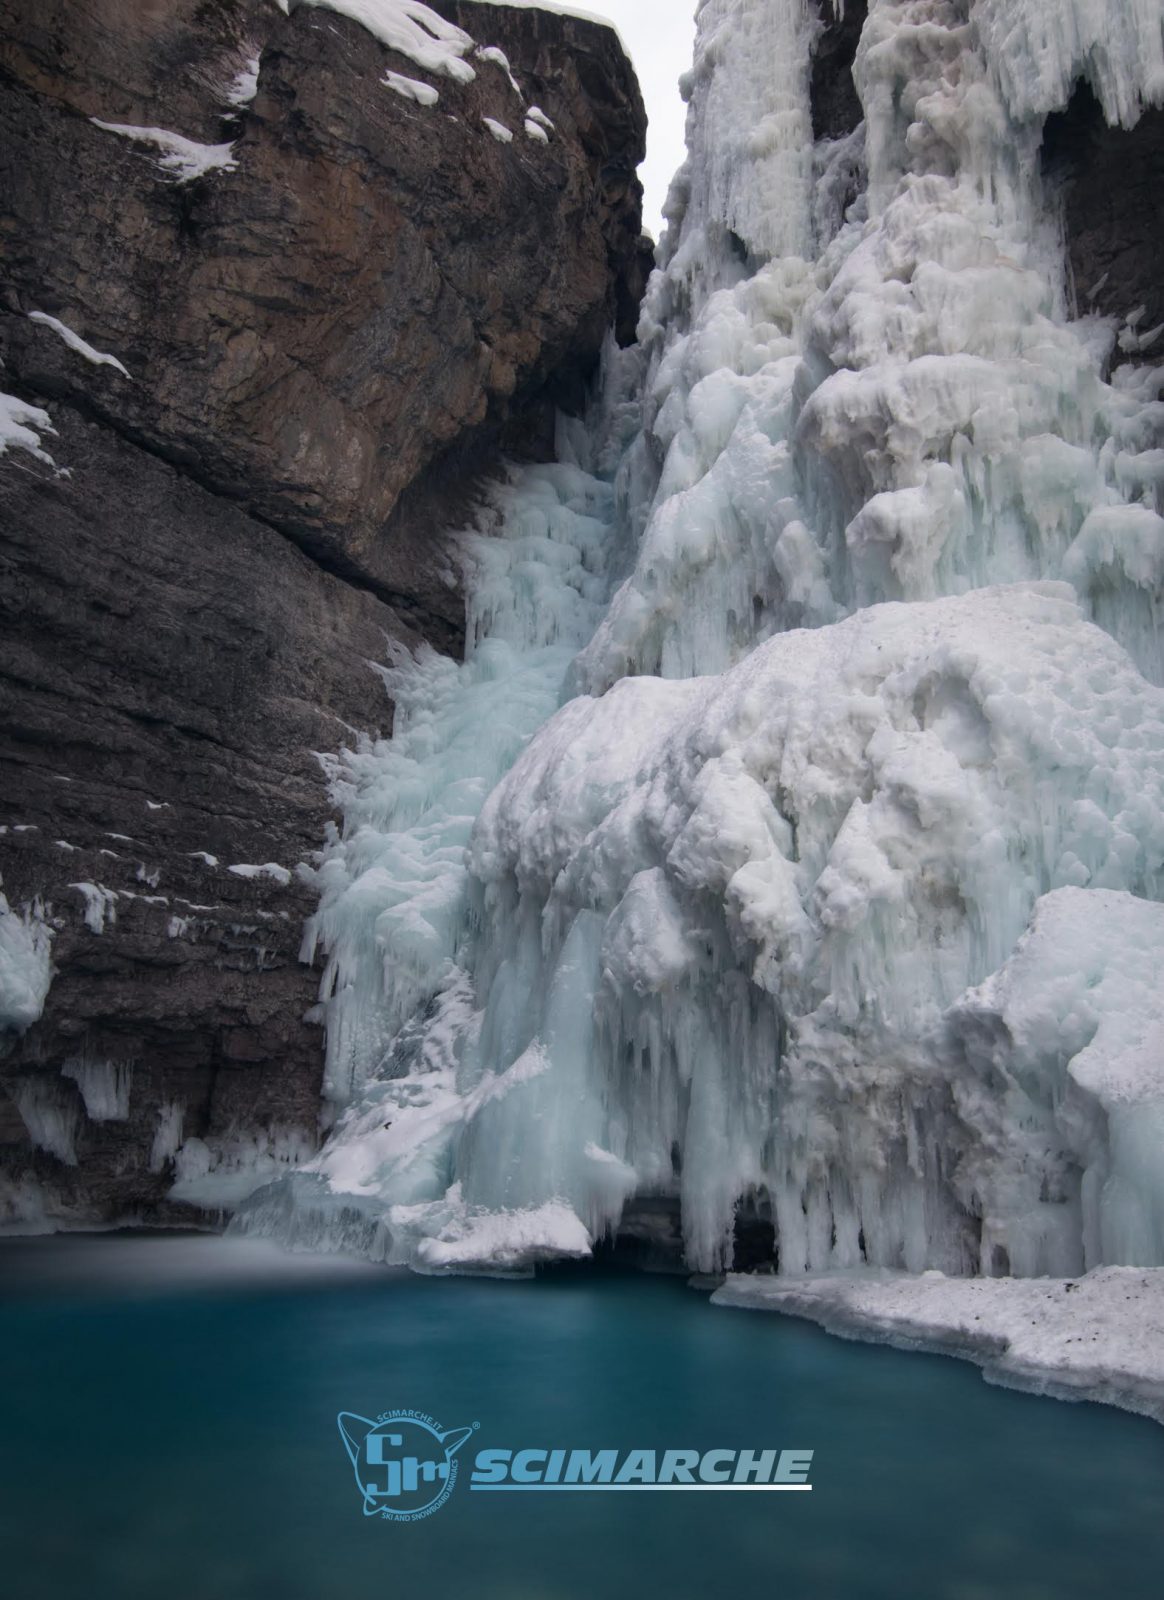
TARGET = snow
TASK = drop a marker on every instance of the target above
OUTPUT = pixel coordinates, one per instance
(269, 869)
(98, 358)
(25, 965)
(1098, 1337)
(811, 723)
(534, 130)
(499, 59)
(21, 426)
(412, 89)
(413, 29)
(205, 857)
(182, 159)
(244, 86)
(500, 132)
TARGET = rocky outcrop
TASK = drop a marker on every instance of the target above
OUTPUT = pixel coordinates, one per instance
(327, 337)
(836, 107)
(1108, 180)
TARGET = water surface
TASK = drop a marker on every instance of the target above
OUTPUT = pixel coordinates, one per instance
(167, 1432)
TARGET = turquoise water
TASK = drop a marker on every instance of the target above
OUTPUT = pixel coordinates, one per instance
(167, 1430)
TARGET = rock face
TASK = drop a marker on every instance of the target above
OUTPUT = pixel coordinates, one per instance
(836, 108)
(329, 336)
(1109, 182)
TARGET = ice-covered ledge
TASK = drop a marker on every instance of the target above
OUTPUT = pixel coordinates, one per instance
(1096, 1337)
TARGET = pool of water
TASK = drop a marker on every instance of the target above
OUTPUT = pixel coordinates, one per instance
(168, 1431)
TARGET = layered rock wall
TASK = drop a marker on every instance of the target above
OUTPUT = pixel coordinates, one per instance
(320, 344)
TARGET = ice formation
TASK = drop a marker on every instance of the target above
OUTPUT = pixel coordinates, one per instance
(810, 731)
(51, 1116)
(104, 1086)
(219, 1176)
(25, 966)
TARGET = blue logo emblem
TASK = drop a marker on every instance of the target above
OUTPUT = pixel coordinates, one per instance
(403, 1462)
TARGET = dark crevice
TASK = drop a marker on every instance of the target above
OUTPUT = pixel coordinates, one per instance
(836, 108)
(1107, 181)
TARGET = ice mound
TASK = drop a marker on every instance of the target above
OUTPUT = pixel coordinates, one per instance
(783, 876)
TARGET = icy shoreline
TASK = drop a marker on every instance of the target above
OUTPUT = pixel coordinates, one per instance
(1097, 1337)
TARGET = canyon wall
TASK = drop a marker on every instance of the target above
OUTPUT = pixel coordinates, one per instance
(282, 329)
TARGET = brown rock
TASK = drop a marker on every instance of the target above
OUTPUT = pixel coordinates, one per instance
(328, 346)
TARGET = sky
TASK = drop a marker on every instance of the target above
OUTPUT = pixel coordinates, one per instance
(660, 35)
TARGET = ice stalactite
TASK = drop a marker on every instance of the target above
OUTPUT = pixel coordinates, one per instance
(873, 695)
(104, 1085)
(26, 969)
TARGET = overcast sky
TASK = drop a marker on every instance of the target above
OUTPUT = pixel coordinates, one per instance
(659, 35)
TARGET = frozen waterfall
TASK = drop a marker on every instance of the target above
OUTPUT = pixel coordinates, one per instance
(793, 835)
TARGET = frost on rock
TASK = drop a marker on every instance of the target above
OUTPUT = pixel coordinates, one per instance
(97, 358)
(181, 159)
(25, 966)
(415, 30)
(851, 590)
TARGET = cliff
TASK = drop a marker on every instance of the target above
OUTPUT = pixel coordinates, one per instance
(282, 327)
